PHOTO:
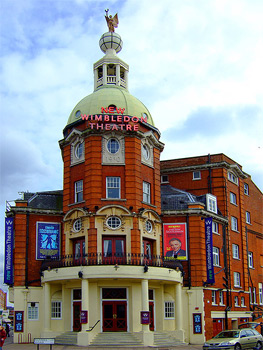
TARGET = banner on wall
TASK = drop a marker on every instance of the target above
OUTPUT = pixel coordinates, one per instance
(175, 241)
(48, 240)
(9, 246)
(209, 251)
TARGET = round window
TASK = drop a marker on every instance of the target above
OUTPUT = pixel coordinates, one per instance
(78, 114)
(79, 150)
(113, 146)
(77, 225)
(113, 222)
(146, 152)
(149, 226)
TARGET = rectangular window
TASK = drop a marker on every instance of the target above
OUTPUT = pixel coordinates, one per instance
(255, 295)
(146, 192)
(243, 301)
(113, 187)
(56, 309)
(211, 203)
(213, 297)
(260, 293)
(234, 225)
(236, 301)
(32, 311)
(237, 282)
(233, 198)
(168, 309)
(216, 256)
(232, 177)
(164, 179)
(250, 260)
(235, 249)
(250, 296)
(79, 191)
(246, 189)
(221, 298)
(248, 218)
(215, 227)
(196, 175)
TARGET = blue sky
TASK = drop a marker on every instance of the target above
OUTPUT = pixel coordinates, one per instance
(196, 65)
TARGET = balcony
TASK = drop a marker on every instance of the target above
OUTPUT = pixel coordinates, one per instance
(111, 80)
(113, 259)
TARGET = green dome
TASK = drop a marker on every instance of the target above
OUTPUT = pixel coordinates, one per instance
(106, 96)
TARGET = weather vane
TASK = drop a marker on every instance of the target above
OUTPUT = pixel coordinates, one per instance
(112, 22)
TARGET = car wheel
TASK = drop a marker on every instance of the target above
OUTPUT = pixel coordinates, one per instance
(259, 345)
(237, 347)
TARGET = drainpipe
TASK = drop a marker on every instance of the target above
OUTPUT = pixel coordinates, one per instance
(226, 278)
(210, 175)
(27, 243)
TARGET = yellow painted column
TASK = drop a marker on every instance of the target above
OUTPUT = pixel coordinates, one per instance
(178, 306)
(105, 74)
(47, 307)
(85, 301)
(118, 74)
(145, 301)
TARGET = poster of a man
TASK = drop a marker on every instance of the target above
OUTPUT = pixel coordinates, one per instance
(175, 242)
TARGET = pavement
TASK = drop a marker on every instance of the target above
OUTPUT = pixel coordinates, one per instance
(9, 345)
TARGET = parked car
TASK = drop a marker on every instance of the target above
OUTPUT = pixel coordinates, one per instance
(235, 339)
(255, 325)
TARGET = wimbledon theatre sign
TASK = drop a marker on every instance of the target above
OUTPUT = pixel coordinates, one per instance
(9, 246)
(108, 120)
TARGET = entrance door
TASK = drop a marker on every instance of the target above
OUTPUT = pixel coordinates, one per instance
(114, 316)
(147, 251)
(113, 250)
(217, 326)
(79, 250)
(151, 309)
(76, 316)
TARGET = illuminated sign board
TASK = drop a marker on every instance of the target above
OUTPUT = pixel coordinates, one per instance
(48, 240)
(9, 246)
(112, 118)
(175, 242)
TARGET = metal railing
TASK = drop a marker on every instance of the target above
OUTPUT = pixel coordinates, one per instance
(113, 259)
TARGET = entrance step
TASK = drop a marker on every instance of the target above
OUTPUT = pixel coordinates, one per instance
(165, 339)
(67, 338)
(115, 339)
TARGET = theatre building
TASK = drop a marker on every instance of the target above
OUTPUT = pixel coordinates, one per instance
(95, 259)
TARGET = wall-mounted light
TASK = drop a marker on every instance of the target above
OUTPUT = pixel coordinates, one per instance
(146, 268)
(80, 274)
(116, 267)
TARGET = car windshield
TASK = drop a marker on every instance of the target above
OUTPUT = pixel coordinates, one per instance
(228, 334)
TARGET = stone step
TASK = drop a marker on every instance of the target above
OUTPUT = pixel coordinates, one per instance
(111, 339)
(67, 338)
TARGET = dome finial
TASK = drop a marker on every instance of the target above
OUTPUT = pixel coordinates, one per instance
(112, 22)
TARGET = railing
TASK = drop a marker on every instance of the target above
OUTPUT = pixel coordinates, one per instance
(111, 79)
(113, 259)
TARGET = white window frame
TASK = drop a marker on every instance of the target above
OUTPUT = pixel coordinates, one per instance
(197, 175)
(214, 297)
(236, 301)
(234, 224)
(260, 293)
(248, 217)
(233, 198)
(216, 256)
(237, 279)
(215, 227)
(32, 311)
(246, 189)
(78, 191)
(242, 302)
(56, 310)
(250, 296)
(235, 251)
(221, 298)
(211, 203)
(164, 179)
(250, 260)
(169, 310)
(146, 192)
(113, 182)
(232, 177)
(254, 295)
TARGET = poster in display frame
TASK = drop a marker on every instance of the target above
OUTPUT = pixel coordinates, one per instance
(47, 240)
(175, 241)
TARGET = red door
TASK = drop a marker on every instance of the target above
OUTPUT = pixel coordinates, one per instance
(114, 316)
(147, 251)
(76, 316)
(151, 309)
(79, 250)
(217, 326)
(113, 250)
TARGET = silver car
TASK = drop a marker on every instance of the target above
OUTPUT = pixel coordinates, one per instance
(235, 339)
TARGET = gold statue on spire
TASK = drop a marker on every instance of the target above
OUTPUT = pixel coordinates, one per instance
(112, 22)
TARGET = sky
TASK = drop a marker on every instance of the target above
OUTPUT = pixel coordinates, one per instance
(195, 64)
